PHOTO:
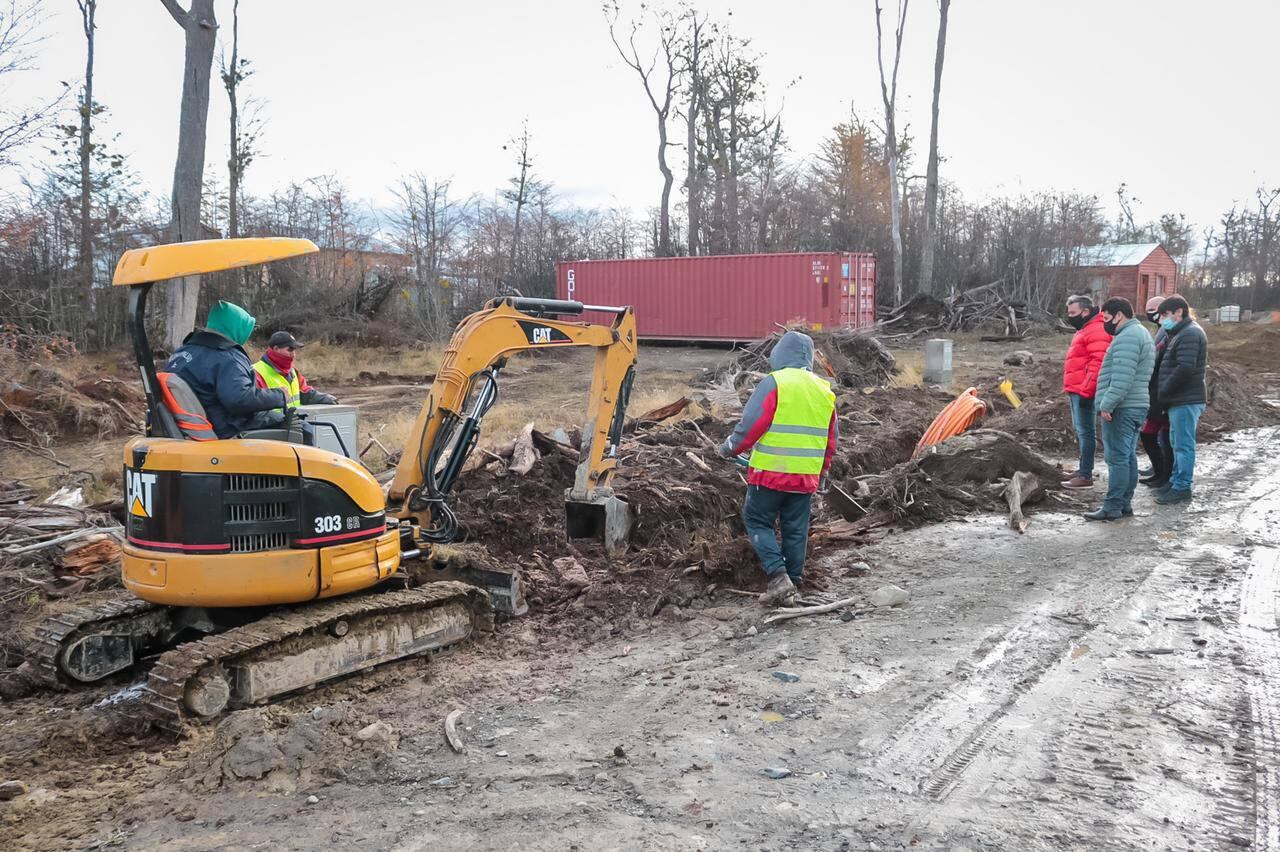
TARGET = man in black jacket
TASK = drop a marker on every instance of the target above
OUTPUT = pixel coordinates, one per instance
(1181, 392)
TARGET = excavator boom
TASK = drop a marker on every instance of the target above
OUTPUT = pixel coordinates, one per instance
(465, 388)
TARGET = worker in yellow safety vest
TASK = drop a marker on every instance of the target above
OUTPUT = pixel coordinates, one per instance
(789, 425)
(276, 369)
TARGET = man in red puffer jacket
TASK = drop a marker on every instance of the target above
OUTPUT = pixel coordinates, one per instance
(1080, 382)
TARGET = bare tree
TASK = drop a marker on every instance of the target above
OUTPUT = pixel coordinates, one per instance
(1266, 229)
(519, 193)
(201, 29)
(660, 88)
(929, 237)
(244, 125)
(88, 9)
(695, 47)
(19, 34)
(889, 92)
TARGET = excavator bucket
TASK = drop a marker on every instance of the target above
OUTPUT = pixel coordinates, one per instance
(605, 518)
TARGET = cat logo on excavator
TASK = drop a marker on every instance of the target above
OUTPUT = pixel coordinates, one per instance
(138, 487)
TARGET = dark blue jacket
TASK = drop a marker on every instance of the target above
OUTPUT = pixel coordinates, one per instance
(1182, 367)
(221, 376)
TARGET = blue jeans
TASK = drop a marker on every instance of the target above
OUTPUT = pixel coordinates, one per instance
(764, 511)
(1120, 451)
(1084, 418)
(1183, 420)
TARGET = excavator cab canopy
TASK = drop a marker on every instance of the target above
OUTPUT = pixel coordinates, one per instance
(178, 260)
(140, 269)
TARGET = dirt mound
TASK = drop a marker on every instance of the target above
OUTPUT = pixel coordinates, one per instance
(960, 476)
(1256, 347)
(39, 402)
(1235, 400)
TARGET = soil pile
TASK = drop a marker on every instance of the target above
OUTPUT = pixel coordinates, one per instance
(1255, 347)
(40, 402)
(1236, 400)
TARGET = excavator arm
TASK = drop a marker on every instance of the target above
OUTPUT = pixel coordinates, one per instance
(465, 387)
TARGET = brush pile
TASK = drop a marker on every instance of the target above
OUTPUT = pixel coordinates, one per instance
(849, 358)
(979, 308)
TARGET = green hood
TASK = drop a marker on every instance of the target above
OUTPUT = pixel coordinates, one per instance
(232, 322)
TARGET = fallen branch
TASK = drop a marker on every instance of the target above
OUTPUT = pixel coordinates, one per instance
(788, 613)
(451, 731)
(71, 536)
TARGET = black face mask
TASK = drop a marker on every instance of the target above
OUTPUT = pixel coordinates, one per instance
(1154, 316)
(1110, 327)
(1077, 322)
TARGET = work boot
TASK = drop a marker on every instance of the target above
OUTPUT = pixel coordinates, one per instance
(1154, 481)
(1078, 481)
(1174, 495)
(1102, 515)
(781, 591)
(1146, 473)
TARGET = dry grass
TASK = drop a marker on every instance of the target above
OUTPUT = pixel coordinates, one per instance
(910, 372)
(333, 364)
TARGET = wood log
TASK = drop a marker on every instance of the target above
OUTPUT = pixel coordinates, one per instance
(1023, 487)
(523, 454)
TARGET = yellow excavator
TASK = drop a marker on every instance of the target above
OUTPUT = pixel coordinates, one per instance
(260, 565)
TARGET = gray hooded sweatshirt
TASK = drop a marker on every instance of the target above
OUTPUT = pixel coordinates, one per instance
(795, 349)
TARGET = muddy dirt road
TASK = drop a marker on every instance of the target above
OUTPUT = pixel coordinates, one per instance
(1080, 686)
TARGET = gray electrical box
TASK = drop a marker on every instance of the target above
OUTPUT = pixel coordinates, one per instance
(346, 418)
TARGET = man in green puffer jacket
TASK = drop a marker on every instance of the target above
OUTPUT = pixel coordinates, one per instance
(1123, 398)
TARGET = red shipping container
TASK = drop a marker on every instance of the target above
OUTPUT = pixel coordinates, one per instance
(729, 297)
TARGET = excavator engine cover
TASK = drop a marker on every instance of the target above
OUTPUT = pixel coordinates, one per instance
(604, 517)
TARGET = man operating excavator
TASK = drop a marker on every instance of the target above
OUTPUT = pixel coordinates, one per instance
(213, 362)
(789, 424)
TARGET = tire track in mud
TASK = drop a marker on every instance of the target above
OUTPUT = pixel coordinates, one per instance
(938, 743)
(1259, 619)
(1077, 752)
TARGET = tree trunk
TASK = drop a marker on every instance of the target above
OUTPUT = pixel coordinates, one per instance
(895, 215)
(931, 180)
(88, 9)
(233, 163)
(668, 178)
(693, 182)
(201, 30)
(890, 95)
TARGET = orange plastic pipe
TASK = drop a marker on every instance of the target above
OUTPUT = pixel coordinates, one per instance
(959, 415)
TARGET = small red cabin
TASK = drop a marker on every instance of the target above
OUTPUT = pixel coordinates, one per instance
(1133, 271)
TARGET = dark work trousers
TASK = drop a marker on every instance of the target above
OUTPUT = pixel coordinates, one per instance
(1159, 454)
(764, 512)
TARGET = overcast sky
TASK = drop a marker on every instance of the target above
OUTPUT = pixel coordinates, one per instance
(1171, 96)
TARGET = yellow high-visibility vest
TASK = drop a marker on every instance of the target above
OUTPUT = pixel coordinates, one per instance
(797, 440)
(292, 387)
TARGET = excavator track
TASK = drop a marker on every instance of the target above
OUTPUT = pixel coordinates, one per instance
(57, 632)
(200, 679)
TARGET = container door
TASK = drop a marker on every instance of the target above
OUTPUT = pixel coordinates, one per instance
(862, 290)
(848, 292)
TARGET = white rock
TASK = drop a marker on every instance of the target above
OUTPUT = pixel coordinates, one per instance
(889, 596)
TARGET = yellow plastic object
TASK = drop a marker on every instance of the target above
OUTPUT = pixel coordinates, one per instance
(1006, 388)
(160, 263)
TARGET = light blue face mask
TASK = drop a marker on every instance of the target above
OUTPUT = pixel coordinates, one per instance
(1167, 323)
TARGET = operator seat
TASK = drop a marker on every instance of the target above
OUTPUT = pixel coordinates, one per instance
(181, 416)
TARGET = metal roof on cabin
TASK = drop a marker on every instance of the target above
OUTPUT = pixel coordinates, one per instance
(1121, 254)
